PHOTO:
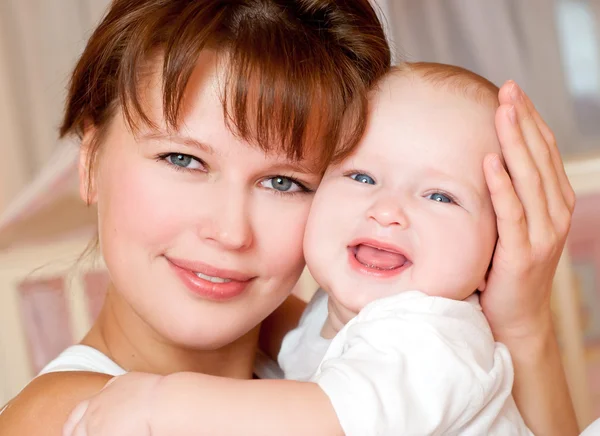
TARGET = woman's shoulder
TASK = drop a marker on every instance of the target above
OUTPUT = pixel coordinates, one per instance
(43, 406)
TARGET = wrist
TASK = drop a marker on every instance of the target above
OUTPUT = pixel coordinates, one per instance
(530, 338)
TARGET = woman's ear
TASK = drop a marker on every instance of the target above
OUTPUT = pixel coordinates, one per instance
(87, 185)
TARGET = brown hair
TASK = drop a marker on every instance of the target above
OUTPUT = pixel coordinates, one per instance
(298, 55)
(453, 78)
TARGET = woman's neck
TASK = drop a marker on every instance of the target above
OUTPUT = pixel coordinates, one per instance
(131, 343)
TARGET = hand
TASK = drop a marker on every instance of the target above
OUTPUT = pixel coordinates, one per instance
(534, 215)
(121, 408)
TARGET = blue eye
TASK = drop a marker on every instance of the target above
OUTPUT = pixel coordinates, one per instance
(362, 178)
(440, 198)
(184, 161)
(283, 184)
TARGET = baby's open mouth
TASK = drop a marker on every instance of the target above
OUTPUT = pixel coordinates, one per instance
(378, 258)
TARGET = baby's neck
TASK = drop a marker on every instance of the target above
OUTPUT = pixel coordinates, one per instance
(132, 344)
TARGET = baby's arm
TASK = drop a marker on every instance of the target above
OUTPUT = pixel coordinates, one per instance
(197, 404)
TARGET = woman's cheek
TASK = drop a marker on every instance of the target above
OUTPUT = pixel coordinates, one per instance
(143, 207)
(279, 231)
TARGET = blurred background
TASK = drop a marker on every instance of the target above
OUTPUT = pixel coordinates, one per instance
(550, 47)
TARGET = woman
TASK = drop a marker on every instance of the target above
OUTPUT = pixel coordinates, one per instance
(205, 127)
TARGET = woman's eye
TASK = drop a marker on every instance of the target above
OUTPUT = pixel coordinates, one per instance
(362, 178)
(184, 161)
(440, 198)
(282, 184)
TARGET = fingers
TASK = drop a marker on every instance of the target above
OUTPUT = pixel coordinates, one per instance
(526, 178)
(540, 152)
(512, 226)
(71, 427)
(538, 137)
(565, 185)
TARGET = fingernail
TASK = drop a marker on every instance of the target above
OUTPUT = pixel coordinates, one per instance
(515, 92)
(496, 164)
(512, 115)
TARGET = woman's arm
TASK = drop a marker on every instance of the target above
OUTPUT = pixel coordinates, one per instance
(540, 388)
(533, 207)
(44, 405)
(190, 404)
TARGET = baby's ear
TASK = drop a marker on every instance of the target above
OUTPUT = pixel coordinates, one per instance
(482, 285)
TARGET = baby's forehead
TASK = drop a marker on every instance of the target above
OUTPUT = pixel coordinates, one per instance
(433, 116)
(444, 78)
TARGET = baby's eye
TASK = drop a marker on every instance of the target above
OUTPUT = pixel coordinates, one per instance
(184, 161)
(440, 198)
(362, 178)
(283, 184)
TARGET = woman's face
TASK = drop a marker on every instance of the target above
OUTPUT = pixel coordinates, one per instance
(201, 232)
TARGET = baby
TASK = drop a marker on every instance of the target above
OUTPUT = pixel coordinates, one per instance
(400, 237)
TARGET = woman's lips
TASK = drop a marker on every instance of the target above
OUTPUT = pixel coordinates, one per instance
(210, 282)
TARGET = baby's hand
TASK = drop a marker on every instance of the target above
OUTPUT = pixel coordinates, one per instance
(121, 408)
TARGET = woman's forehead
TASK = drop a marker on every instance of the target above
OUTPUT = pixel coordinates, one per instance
(203, 115)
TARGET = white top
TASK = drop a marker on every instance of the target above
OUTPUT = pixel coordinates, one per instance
(410, 364)
(593, 429)
(85, 358)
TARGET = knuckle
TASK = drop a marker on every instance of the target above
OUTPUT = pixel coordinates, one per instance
(524, 112)
(524, 266)
(545, 247)
(516, 214)
(571, 199)
(534, 180)
(550, 137)
(545, 154)
(563, 222)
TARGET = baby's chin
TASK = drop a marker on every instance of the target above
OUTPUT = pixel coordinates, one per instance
(356, 294)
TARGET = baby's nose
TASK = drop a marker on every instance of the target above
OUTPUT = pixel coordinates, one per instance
(388, 211)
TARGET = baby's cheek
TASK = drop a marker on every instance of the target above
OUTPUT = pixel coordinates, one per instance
(454, 263)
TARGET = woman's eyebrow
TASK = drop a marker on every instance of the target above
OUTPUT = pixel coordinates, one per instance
(183, 140)
(295, 167)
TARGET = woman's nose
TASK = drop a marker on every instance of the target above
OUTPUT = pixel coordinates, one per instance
(228, 220)
(387, 211)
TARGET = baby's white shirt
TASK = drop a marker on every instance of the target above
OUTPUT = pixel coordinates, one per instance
(410, 364)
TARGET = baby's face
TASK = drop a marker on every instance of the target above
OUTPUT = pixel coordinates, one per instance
(410, 209)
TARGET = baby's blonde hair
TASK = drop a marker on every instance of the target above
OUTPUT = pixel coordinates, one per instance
(452, 78)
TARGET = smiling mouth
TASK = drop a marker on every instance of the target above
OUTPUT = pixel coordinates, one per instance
(378, 258)
(212, 279)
